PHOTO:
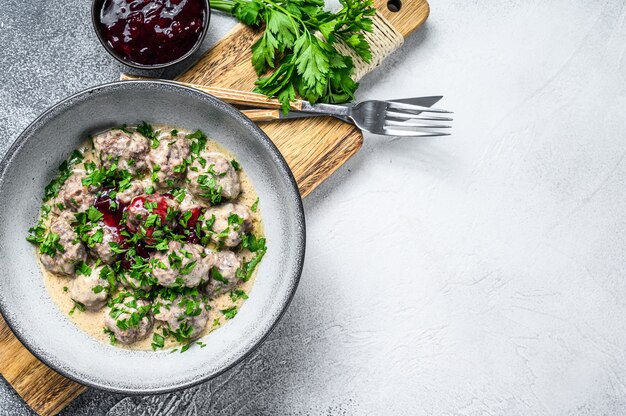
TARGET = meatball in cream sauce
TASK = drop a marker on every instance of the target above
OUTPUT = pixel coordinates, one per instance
(149, 237)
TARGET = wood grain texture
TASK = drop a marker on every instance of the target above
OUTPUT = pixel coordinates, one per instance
(412, 15)
(44, 390)
(314, 148)
(262, 115)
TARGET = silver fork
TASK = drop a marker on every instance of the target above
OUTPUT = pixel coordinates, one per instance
(390, 118)
(423, 101)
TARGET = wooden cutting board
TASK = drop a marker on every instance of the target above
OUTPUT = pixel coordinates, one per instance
(314, 148)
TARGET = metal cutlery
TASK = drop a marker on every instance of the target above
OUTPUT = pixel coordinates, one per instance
(391, 118)
(269, 115)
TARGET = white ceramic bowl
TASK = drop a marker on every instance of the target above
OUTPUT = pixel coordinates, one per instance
(33, 161)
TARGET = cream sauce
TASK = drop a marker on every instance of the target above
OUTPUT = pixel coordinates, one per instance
(92, 322)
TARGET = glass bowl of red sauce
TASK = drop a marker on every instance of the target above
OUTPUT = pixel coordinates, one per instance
(150, 34)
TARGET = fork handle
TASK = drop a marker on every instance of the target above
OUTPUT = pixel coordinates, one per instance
(307, 110)
(326, 109)
(262, 115)
(246, 98)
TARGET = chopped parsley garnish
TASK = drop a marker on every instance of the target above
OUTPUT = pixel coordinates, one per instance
(107, 274)
(209, 223)
(235, 165)
(65, 171)
(47, 241)
(94, 215)
(157, 341)
(150, 205)
(237, 294)
(109, 178)
(111, 335)
(96, 238)
(252, 242)
(255, 206)
(210, 188)
(224, 233)
(184, 218)
(257, 246)
(230, 312)
(216, 275)
(188, 268)
(77, 305)
(198, 143)
(124, 129)
(179, 194)
(234, 219)
(148, 132)
(82, 268)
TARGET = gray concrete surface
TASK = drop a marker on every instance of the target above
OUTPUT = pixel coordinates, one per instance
(478, 274)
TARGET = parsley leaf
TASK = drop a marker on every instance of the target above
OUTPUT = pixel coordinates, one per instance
(82, 268)
(65, 171)
(148, 132)
(157, 341)
(230, 312)
(238, 294)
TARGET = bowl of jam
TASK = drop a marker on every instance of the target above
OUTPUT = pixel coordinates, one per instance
(151, 34)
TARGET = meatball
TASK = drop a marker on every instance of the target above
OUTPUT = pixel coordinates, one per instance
(102, 249)
(181, 265)
(224, 271)
(120, 320)
(168, 159)
(188, 314)
(227, 223)
(90, 290)
(212, 174)
(137, 187)
(63, 260)
(74, 196)
(142, 206)
(130, 150)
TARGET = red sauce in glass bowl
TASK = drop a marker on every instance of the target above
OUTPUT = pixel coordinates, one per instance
(152, 32)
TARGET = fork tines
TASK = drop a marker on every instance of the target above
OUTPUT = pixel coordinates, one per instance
(411, 107)
(408, 120)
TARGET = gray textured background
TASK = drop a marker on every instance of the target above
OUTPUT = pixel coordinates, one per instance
(477, 274)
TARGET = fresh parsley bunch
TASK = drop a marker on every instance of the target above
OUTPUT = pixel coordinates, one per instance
(298, 45)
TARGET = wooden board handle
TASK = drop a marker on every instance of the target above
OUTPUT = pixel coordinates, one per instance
(250, 99)
(45, 391)
(412, 14)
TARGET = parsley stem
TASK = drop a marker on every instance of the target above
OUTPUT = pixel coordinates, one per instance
(223, 5)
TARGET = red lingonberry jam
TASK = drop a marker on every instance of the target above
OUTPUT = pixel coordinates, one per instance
(112, 214)
(150, 32)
